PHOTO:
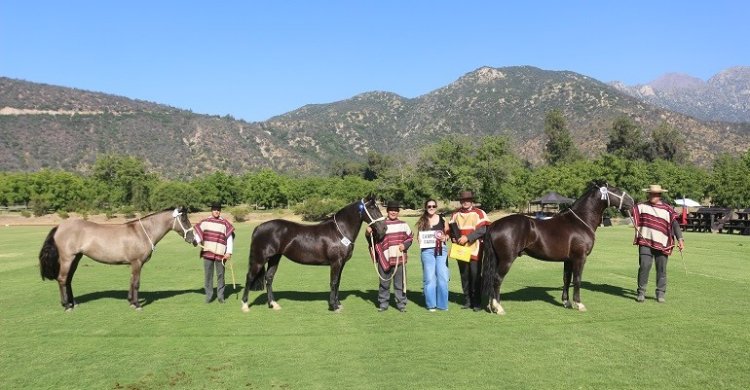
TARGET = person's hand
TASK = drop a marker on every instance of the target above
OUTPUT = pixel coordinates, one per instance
(228, 256)
(369, 230)
(401, 247)
(681, 244)
(463, 240)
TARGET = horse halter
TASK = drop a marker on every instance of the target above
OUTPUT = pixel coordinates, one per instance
(176, 218)
(363, 206)
(606, 193)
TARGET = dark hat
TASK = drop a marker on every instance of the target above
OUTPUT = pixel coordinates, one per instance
(392, 204)
(216, 206)
(465, 195)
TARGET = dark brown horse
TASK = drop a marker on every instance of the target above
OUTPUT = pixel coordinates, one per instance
(567, 237)
(129, 243)
(330, 242)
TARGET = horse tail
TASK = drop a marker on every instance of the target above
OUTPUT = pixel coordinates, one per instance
(489, 265)
(49, 264)
(259, 283)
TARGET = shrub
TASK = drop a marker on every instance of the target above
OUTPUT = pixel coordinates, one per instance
(63, 214)
(25, 214)
(239, 213)
(317, 209)
(128, 212)
(39, 206)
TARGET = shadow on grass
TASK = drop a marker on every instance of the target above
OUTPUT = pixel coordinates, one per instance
(144, 297)
(609, 289)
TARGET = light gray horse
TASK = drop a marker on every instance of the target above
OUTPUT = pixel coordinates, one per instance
(129, 243)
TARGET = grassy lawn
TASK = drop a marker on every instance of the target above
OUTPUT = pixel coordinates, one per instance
(698, 339)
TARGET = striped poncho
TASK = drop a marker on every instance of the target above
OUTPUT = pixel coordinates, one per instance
(468, 221)
(388, 254)
(653, 224)
(213, 233)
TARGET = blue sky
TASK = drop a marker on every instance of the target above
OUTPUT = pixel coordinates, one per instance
(257, 59)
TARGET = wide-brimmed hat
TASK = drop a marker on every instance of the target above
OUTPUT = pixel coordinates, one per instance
(654, 189)
(392, 204)
(216, 206)
(465, 195)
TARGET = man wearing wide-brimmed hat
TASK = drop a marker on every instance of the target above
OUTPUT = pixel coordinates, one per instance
(472, 223)
(391, 258)
(216, 236)
(656, 230)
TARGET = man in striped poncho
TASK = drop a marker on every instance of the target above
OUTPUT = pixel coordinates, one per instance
(656, 229)
(390, 255)
(216, 237)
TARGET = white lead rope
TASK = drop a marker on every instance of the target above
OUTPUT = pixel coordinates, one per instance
(150, 241)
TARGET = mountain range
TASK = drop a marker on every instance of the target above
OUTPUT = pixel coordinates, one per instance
(724, 97)
(45, 126)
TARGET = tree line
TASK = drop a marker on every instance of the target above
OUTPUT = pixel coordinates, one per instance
(488, 166)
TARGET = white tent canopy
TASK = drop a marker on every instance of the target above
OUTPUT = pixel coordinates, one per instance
(686, 202)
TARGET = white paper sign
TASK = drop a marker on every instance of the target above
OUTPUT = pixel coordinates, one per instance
(346, 241)
(427, 239)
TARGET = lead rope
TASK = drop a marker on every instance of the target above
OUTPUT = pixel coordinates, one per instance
(377, 271)
(583, 222)
(150, 241)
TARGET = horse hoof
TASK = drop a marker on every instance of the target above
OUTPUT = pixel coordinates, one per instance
(245, 308)
(581, 308)
(138, 308)
(337, 311)
(496, 307)
(275, 306)
(567, 305)
(68, 309)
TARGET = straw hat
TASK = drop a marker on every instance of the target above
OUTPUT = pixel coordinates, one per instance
(654, 189)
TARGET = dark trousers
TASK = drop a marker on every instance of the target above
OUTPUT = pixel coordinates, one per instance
(471, 282)
(384, 289)
(208, 282)
(646, 257)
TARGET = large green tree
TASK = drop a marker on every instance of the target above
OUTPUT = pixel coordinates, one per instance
(728, 185)
(125, 178)
(560, 147)
(627, 140)
(667, 144)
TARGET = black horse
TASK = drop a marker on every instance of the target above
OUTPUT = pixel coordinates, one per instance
(567, 237)
(329, 242)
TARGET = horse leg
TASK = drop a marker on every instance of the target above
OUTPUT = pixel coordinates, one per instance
(577, 272)
(273, 265)
(66, 262)
(73, 267)
(255, 280)
(504, 263)
(333, 300)
(135, 283)
(567, 274)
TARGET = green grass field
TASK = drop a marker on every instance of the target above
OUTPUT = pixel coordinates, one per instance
(698, 339)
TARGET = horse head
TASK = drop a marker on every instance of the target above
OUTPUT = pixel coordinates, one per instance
(616, 197)
(371, 214)
(181, 224)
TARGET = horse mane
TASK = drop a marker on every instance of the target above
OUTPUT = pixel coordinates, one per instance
(593, 185)
(148, 215)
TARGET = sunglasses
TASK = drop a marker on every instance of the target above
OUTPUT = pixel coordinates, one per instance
(431, 206)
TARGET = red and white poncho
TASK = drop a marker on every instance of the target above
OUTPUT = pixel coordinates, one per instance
(388, 253)
(214, 234)
(653, 224)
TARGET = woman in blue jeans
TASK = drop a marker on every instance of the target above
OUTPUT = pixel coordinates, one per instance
(432, 233)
